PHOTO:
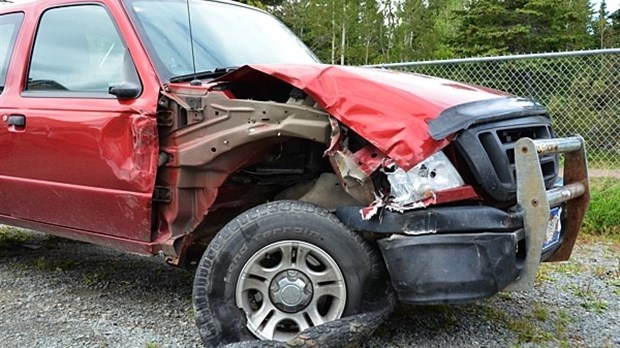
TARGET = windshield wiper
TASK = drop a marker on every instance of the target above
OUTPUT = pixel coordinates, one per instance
(217, 72)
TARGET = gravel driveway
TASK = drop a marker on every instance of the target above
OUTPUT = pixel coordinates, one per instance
(60, 293)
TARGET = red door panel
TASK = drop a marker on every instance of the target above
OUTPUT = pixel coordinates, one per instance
(83, 162)
(85, 169)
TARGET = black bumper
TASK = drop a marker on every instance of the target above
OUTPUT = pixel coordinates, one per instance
(446, 254)
(451, 268)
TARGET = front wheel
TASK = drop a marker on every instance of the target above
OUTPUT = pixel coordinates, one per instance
(279, 269)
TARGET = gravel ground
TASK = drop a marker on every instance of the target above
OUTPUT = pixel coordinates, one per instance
(60, 293)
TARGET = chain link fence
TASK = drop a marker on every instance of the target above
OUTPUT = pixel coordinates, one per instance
(581, 91)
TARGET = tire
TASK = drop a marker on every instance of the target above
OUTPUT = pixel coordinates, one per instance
(245, 275)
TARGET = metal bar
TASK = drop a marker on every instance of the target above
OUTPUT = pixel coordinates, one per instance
(535, 201)
(575, 170)
(563, 194)
(532, 200)
(498, 58)
(548, 146)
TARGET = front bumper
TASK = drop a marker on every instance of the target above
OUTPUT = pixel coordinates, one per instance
(458, 254)
(452, 267)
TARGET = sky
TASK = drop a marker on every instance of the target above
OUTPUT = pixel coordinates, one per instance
(612, 5)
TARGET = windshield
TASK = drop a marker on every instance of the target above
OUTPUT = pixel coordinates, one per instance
(225, 35)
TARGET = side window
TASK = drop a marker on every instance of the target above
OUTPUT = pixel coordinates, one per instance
(78, 49)
(9, 27)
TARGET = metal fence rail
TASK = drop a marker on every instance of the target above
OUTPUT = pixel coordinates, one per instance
(580, 89)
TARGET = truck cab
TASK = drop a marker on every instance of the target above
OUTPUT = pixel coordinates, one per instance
(206, 132)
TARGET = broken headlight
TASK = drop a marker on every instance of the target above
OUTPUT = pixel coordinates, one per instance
(435, 173)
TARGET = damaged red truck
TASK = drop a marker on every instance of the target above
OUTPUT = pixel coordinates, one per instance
(311, 187)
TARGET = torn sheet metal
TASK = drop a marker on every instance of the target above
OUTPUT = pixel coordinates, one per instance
(353, 178)
(389, 109)
(373, 209)
(384, 202)
(369, 159)
(423, 203)
(335, 136)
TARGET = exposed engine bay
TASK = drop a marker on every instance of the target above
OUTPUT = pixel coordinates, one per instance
(223, 155)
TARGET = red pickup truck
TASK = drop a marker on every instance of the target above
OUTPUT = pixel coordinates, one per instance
(205, 130)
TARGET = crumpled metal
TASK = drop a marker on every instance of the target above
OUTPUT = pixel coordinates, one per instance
(389, 109)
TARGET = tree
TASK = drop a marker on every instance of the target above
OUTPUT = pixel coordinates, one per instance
(375, 31)
(614, 36)
(491, 27)
(556, 25)
(365, 33)
(488, 27)
(419, 29)
(445, 26)
(262, 3)
(600, 26)
(311, 21)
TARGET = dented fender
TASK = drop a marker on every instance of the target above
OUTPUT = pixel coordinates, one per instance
(358, 97)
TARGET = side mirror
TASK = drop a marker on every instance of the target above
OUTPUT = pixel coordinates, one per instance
(125, 90)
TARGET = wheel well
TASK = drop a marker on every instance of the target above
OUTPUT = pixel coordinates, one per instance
(234, 154)
(287, 171)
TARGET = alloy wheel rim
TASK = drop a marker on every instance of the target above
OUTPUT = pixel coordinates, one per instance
(287, 287)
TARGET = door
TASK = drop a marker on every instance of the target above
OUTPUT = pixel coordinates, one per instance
(71, 154)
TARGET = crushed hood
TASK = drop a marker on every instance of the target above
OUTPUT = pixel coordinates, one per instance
(390, 109)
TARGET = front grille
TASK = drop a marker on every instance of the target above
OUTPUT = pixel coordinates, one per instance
(488, 149)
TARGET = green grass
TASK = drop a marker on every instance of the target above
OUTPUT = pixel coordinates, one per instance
(591, 300)
(43, 264)
(545, 274)
(561, 328)
(603, 217)
(540, 312)
(570, 267)
(12, 237)
(527, 328)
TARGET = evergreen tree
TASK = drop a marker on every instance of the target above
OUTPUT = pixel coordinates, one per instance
(365, 34)
(601, 27)
(489, 27)
(375, 31)
(614, 35)
(556, 25)
(445, 26)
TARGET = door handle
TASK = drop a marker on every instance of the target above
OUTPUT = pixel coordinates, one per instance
(16, 120)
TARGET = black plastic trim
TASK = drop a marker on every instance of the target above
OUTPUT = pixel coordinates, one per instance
(463, 116)
(491, 158)
(433, 220)
(451, 268)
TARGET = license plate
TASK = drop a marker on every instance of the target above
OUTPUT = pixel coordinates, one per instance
(553, 228)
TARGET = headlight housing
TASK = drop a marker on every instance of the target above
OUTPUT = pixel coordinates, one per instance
(435, 173)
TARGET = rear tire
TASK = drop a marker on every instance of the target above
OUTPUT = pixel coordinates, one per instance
(278, 269)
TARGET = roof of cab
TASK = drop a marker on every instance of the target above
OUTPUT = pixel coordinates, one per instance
(20, 5)
(7, 6)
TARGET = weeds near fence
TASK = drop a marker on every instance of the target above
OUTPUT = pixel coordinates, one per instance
(603, 217)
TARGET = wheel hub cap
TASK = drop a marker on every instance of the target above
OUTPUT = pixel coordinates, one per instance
(287, 287)
(291, 291)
